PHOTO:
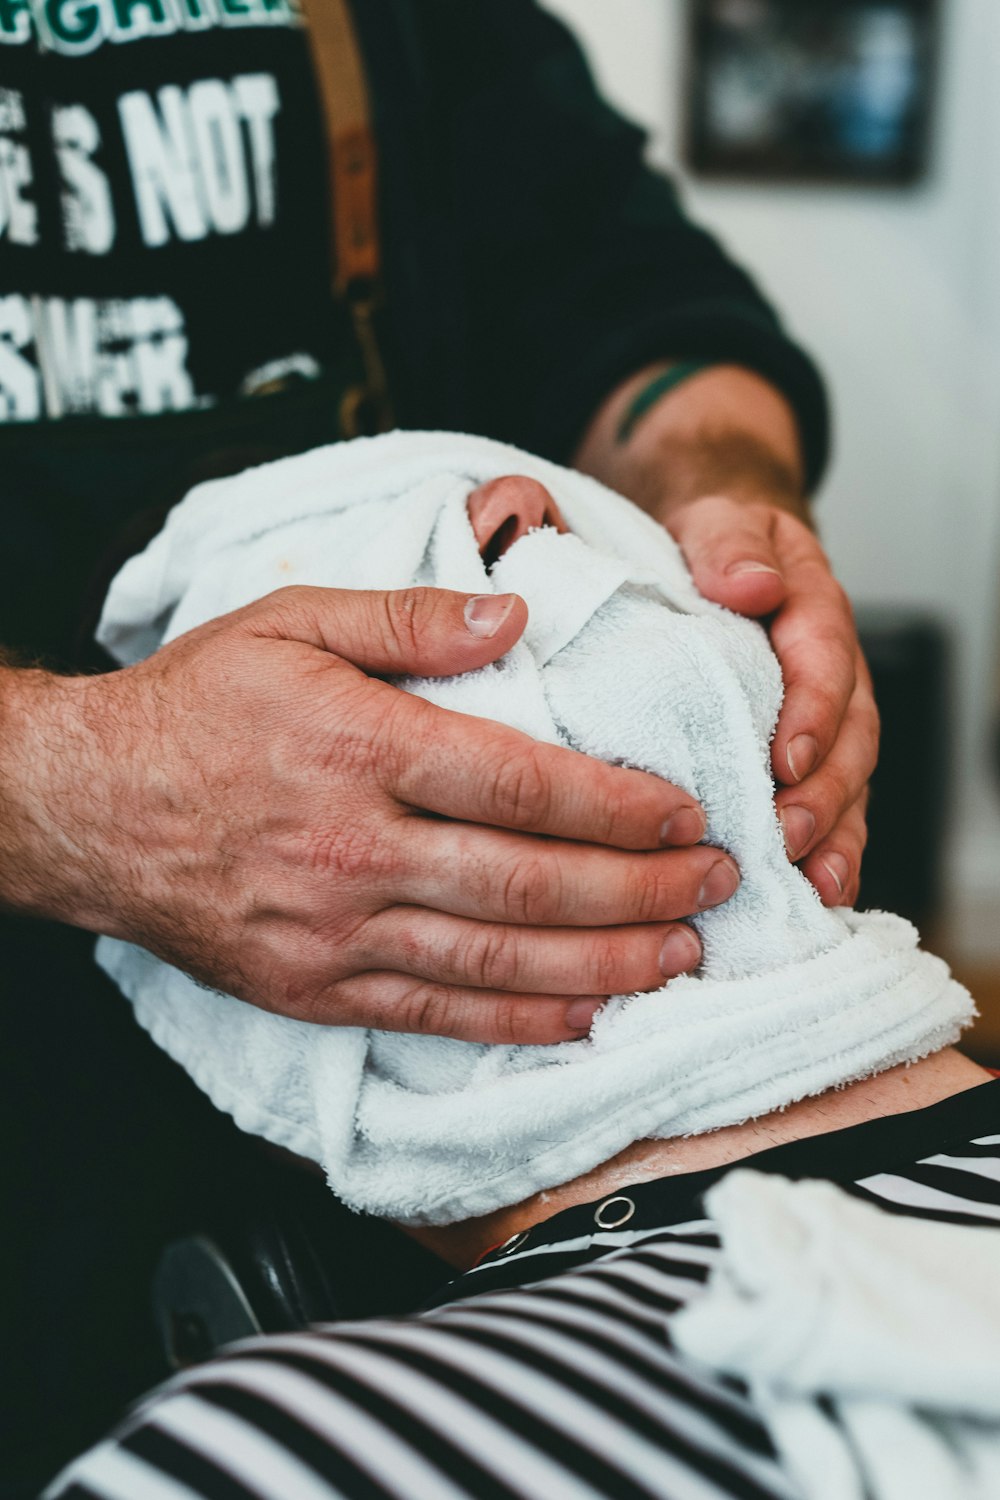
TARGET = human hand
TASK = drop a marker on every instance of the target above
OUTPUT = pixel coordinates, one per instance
(254, 808)
(758, 559)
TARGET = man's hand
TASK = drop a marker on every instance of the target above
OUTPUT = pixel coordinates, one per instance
(759, 560)
(254, 807)
(717, 461)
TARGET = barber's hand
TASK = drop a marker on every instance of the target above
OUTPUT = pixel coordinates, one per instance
(757, 559)
(253, 807)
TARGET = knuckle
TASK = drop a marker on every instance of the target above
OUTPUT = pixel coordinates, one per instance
(829, 700)
(852, 846)
(359, 855)
(670, 887)
(836, 795)
(863, 731)
(427, 1009)
(522, 791)
(305, 1000)
(289, 595)
(611, 804)
(648, 898)
(513, 1023)
(652, 893)
(287, 604)
(814, 696)
(863, 765)
(350, 754)
(402, 611)
(493, 965)
(350, 852)
(401, 736)
(855, 824)
(273, 613)
(530, 892)
(604, 968)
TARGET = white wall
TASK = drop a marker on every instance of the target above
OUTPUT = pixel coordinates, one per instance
(898, 295)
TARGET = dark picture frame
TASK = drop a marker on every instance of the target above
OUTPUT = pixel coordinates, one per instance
(820, 91)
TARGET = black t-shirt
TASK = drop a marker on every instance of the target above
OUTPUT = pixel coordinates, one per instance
(164, 260)
(163, 206)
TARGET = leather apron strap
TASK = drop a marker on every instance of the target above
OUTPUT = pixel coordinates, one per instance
(353, 158)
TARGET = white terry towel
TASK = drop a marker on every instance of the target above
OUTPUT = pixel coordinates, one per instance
(895, 1320)
(622, 658)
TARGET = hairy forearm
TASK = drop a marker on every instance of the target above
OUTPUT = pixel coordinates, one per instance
(40, 767)
(724, 430)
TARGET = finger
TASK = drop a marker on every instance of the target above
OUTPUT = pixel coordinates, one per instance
(729, 547)
(809, 812)
(475, 769)
(821, 663)
(483, 772)
(496, 876)
(398, 1002)
(548, 961)
(834, 866)
(427, 632)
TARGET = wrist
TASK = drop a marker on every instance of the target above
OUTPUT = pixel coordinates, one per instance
(738, 467)
(721, 430)
(45, 797)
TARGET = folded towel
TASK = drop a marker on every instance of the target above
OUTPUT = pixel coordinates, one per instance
(623, 659)
(894, 1320)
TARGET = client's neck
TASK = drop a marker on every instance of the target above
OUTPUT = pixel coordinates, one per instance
(894, 1092)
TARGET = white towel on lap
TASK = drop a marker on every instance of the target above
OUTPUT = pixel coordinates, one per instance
(623, 659)
(894, 1320)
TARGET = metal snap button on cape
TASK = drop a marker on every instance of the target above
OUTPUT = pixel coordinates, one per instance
(514, 1243)
(613, 1212)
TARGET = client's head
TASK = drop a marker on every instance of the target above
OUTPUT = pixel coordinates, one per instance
(621, 659)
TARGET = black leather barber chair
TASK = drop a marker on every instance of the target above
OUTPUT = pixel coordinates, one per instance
(283, 1253)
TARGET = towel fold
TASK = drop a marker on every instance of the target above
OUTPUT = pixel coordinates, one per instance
(894, 1321)
(622, 659)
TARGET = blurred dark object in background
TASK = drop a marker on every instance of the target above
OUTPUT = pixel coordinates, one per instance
(811, 90)
(909, 659)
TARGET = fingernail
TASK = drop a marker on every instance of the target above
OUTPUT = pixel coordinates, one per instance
(837, 867)
(580, 1015)
(485, 613)
(685, 826)
(798, 826)
(681, 951)
(719, 884)
(801, 754)
(747, 565)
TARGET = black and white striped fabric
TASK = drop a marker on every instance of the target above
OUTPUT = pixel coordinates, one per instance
(546, 1372)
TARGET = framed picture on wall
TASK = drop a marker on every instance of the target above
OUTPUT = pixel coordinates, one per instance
(811, 90)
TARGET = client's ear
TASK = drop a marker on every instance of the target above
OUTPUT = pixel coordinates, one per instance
(502, 510)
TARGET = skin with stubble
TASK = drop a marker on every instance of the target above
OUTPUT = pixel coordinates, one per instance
(894, 1092)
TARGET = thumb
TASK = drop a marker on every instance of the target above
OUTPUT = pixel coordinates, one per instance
(429, 632)
(728, 547)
